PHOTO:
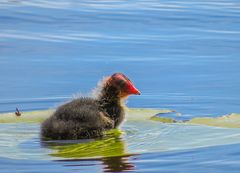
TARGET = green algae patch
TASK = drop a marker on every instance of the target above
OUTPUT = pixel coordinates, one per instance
(109, 146)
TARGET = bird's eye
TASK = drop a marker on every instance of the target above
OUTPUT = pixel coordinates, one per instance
(120, 83)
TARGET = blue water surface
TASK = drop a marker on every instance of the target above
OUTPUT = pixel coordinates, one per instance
(182, 55)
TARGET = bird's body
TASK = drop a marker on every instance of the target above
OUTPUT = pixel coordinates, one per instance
(86, 117)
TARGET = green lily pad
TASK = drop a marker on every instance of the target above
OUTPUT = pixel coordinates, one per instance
(38, 116)
(138, 135)
(226, 121)
(26, 117)
(132, 114)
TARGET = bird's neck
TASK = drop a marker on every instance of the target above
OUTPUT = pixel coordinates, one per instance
(110, 101)
(109, 95)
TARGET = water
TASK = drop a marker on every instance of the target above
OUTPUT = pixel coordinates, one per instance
(182, 55)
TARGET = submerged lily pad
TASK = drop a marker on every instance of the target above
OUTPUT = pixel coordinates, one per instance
(109, 146)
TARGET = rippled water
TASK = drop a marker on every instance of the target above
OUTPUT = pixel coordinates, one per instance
(182, 55)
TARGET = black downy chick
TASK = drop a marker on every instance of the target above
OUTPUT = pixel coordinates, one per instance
(88, 117)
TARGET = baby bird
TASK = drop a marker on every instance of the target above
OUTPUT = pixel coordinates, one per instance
(85, 117)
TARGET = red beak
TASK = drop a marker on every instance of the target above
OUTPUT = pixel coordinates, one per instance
(133, 89)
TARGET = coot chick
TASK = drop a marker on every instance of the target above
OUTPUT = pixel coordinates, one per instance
(89, 117)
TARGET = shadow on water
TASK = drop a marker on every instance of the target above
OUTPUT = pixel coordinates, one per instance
(109, 151)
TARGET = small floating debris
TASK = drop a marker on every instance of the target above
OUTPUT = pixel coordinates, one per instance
(17, 113)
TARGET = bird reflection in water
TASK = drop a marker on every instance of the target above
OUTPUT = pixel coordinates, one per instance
(109, 151)
(117, 164)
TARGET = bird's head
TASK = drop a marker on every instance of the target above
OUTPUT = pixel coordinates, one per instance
(123, 84)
